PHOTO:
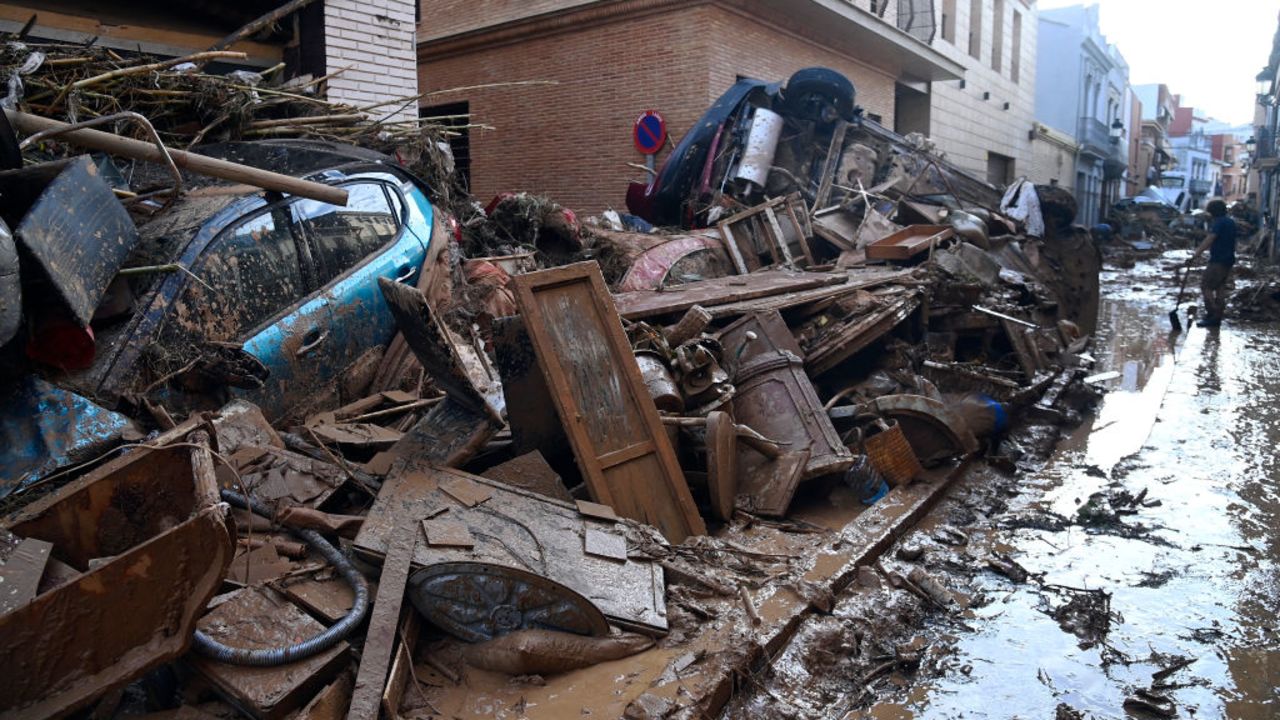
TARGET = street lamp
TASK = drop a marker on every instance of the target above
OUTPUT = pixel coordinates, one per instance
(1116, 131)
(1251, 144)
(1265, 80)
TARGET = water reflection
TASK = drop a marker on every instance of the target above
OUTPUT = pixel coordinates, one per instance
(1199, 435)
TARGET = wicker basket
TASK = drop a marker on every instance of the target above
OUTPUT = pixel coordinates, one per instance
(891, 455)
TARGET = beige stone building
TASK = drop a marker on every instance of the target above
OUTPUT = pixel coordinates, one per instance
(984, 121)
(1053, 157)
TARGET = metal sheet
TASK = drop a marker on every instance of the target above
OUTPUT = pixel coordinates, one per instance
(524, 530)
(156, 513)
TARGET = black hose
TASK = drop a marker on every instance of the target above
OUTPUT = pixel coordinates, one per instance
(211, 648)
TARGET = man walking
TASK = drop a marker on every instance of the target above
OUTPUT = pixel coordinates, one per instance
(1221, 244)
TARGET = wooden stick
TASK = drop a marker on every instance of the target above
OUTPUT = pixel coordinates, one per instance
(748, 605)
(141, 69)
(200, 164)
(257, 24)
(310, 120)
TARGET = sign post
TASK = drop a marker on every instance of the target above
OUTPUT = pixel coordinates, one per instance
(649, 134)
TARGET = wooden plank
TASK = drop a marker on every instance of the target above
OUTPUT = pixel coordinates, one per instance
(597, 511)
(449, 434)
(831, 164)
(530, 471)
(402, 666)
(21, 568)
(453, 363)
(722, 463)
(779, 238)
(465, 491)
(375, 661)
(258, 618)
(858, 279)
(605, 544)
(447, 532)
(731, 245)
(601, 398)
(719, 291)
(908, 242)
(798, 216)
(127, 29)
(844, 343)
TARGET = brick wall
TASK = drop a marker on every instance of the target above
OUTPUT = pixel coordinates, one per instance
(572, 140)
(376, 39)
(965, 125)
(748, 46)
(442, 18)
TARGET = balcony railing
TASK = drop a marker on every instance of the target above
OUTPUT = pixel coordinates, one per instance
(1096, 135)
(1200, 186)
(1266, 140)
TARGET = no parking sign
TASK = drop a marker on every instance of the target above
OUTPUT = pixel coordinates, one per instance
(650, 132)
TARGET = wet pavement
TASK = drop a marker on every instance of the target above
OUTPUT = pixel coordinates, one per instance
(1190, 567)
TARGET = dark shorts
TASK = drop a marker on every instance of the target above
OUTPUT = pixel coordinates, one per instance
(1215, 276)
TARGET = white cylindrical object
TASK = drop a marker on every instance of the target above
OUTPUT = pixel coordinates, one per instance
(762, 143)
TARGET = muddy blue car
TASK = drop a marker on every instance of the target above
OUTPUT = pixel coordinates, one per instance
(259, 296)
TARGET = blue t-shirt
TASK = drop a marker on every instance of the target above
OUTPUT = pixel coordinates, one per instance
(1223, 250)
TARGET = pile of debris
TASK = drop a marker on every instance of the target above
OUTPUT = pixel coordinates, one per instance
(657, 449)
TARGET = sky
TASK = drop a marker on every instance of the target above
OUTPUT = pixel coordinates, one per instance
(1209, 52)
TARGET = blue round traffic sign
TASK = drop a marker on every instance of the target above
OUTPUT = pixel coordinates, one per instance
(650, 132)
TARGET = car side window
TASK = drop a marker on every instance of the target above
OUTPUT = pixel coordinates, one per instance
(344, 236)
(248, 274)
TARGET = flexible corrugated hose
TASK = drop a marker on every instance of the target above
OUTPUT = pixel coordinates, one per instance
(211, 648)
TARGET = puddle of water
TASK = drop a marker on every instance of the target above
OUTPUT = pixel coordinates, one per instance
(1199, 435)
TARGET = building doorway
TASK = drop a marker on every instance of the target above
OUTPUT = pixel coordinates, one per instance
(1000, 169)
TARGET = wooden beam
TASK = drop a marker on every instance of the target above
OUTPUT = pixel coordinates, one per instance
(383, 623)
(152, 38)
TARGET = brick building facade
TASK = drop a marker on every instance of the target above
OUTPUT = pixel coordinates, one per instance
(612, 60)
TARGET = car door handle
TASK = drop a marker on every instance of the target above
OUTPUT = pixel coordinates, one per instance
(310, 342)
(406, 273)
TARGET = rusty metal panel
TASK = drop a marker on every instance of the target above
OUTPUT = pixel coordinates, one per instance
(156, 512)
(775, 396)
(613, 426)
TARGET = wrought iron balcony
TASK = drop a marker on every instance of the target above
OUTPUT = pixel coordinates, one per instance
(1095, 137)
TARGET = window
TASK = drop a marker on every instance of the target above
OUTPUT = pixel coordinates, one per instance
(975, 28)
(1015, 56)
(454, 119)
(997, 35)
(999, 169)
(248, 274)
(949, 20)
(344, 236)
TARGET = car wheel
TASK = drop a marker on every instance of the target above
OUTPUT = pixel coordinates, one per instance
(815, 93)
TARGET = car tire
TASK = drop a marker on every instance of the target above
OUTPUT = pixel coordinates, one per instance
(808, 90)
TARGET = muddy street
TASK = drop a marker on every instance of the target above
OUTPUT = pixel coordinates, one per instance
(1189, 570)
